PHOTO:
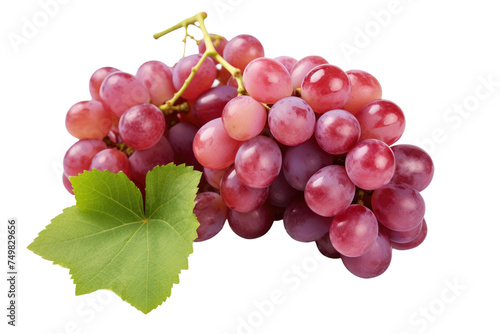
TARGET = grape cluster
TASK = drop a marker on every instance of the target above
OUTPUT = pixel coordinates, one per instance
(301, 141)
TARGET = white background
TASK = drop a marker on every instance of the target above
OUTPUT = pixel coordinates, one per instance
(430, 56)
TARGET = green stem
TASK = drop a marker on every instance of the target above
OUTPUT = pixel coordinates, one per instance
(120, 146)
(179, 25)
(235, 72)
(168, 105)
(209, 52)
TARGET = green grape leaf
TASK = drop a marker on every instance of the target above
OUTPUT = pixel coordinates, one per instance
(110, 240)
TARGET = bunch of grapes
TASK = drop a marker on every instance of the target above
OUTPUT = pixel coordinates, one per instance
(299, 141)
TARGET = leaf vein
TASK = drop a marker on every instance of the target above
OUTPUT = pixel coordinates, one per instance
(114, 257)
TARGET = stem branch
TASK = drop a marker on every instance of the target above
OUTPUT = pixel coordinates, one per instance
(209, 52)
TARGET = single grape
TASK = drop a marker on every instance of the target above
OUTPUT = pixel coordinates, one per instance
(67, 184)
(337, 131)
(267, 80)
(382, 120)
(209, 105)
(413, 166)
(112, 160)
(370, 164)
(291, 121)
(211, 212)
(241, 50)
(251, 225)
(302, 161)
(80, 154)
(374, 262)
(258, 162)
(398, 206)
(402, 237)
(364, 89)
(354, 230)
(120, 91)
(141, 162)
(325, 87)
(238, 196)
(213, 147)
(302, 67)
(157, 77)
(142, 126)
(181, 136)
(89, 120)
(415, 242)
(219, 43)
(304, 225)
(214, 176)
(329, 191)
(287, 61)
(326, 248)
(281, 193)
(244, 118)
(96, 81)
(202, 80)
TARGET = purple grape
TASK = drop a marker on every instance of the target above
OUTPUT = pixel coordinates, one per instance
(141, 162)
(209, 105)
(211, 212)
(326, 248)
(415, 242)
(402, 237)
(180, 137)
(413, 166)
(238, 196)
(281, 193)
(302, 161)
(304, 225)
(374, 262)
(253, 224)
(398, 207)
(354, 230)
(214, 176)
